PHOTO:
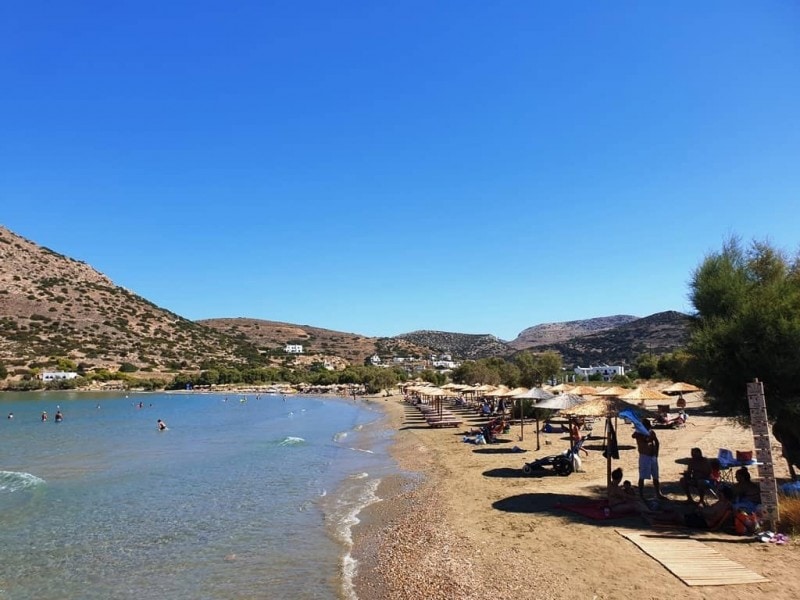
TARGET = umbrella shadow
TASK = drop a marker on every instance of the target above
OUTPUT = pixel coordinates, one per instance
(504, 472)
(549, 504)
(498, 451)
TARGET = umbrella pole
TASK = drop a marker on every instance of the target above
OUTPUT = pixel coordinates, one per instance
(608, 452)
(537, 433)
(521, 422)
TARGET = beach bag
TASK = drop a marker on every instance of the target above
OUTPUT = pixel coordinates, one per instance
(745, 523)
(744, 456)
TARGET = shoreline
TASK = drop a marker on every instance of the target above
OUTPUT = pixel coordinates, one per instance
(471, 525)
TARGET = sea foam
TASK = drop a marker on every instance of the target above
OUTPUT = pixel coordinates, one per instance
(12, 481)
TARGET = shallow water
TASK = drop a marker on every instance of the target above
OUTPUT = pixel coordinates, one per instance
(237, 499)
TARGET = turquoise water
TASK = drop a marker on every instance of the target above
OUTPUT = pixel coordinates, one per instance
(237, 499)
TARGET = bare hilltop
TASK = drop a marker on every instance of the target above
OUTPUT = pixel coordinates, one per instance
(55, 307)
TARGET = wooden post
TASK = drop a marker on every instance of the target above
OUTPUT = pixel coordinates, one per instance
(761, 441)
(608, 452)
(521, 422)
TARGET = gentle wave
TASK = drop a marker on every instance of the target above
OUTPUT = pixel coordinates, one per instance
(12, 481)
(339, 436)
(291, 441)
(368, 495)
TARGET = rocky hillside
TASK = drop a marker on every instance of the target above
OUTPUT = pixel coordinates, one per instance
(324, 343)
(553, 333)
(52, 306)
(657, 334)
(461, 346)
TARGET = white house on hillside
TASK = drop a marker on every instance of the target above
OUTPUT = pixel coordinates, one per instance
(56, 375)
(293, 348)
(607, 371)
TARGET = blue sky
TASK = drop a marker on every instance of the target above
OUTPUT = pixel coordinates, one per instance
(381, 167)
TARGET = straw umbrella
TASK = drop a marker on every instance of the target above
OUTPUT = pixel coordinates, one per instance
(641, 395)
(681, 387)
(614, 390)
(536, 394)
(603, 406)
(584, 390)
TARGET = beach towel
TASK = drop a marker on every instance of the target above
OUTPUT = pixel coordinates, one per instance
(637, 424)
(595, 509)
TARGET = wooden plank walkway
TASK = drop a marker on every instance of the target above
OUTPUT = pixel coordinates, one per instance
(690, 560)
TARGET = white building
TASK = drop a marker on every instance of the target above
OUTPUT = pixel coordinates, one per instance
(56, 375)
(607, 371)
(293, 348)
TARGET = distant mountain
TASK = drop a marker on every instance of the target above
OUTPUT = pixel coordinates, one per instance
(657, 334)
(52, 306)
(553, 333)
(460, 345)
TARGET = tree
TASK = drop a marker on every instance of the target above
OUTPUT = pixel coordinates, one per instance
(535, 369)
(646, 366)
(747, 326)
(3, 371)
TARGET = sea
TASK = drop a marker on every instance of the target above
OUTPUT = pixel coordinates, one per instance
(242, 496)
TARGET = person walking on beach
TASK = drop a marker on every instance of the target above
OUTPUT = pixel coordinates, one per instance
(648, 445)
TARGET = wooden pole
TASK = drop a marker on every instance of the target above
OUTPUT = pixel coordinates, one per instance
(608, 452)
(521, 422)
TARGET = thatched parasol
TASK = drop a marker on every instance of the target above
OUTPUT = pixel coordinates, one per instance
(681, 387)
(642, 394)
(614, 390)
(584, 390)
(604, 406)
(537, 394)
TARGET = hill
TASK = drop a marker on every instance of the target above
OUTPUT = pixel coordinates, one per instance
(317, 342)
(657, 334)
(553, 333)
(461, 346)
(55, 307)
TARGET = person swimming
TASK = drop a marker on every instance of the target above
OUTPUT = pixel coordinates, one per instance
(59, 416)
(44, 416)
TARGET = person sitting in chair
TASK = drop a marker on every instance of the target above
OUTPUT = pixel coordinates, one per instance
(697, 476)
(746, 492)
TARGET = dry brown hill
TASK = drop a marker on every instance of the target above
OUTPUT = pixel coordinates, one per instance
(553, 333)
(274, 335)
(52, 306)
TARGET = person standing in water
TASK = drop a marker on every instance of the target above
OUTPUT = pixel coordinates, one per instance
(161, 425)
(59, 416)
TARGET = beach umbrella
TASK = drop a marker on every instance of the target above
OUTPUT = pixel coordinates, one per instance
(562, 402)
(536, 394)
(561, 387)
(614, 390)
(584, 390)
(681, 388)
(608, 407)
(642, 394)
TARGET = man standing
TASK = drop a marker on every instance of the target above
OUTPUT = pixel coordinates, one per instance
(647, 445)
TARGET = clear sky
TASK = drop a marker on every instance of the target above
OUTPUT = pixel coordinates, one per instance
(380, 167)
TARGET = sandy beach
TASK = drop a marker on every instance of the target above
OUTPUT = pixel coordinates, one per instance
(467, 523)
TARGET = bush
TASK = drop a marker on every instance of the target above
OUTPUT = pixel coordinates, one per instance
(127, 367)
